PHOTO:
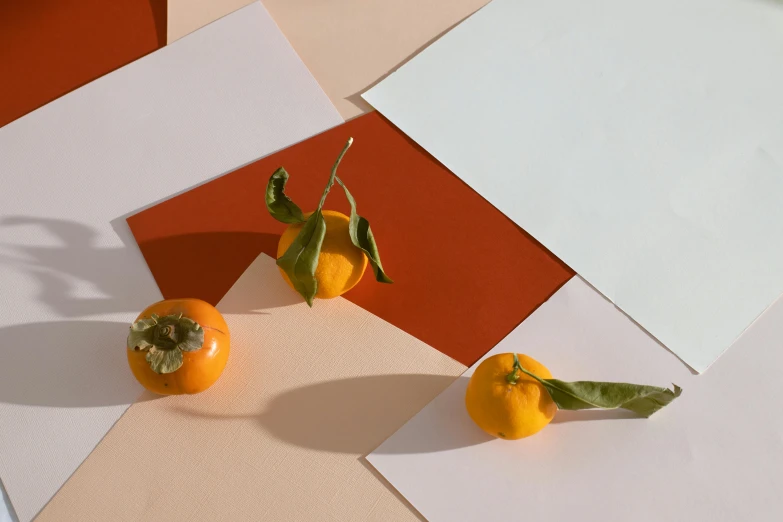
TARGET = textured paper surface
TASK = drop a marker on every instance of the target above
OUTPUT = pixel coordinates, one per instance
(185, 16)
(50, 48)
(281, 436)
(71, 277)
(446, 248)
(712, 455)
(348, 45)
(5, 507)
(639, 141)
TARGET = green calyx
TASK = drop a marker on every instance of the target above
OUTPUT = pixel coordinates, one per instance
(300, 261)
(165, 339)
(583, 395)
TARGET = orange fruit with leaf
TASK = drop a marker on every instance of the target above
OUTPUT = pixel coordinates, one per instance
(322, 253)
(512, 396)
(341, 264)
(178, 346)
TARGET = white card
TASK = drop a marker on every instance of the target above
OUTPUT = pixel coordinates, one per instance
(713, 454)
(72, 278)
(640, 141)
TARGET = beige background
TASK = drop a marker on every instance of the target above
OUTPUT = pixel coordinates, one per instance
(306, 394)
(348, 45)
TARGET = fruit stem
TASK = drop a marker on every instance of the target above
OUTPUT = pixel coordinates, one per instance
(512, 377)
(334, 174)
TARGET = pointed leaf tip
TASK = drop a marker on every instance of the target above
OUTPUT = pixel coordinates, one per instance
(301, 259)
(362, 237)
(582, 395)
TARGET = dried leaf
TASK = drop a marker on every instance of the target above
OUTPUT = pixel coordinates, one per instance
(301, 259)
(582, 395)
(362, 237)
(165, 361)
(278, 203)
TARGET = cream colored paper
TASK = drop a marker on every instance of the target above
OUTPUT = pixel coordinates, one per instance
(348, 45)
(281, 437)
(185, 16)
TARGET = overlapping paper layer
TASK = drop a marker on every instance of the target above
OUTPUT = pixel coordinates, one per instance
(712, 454)
(50, 48)
(640, 141)
(348, 45)
(71, 277)
(464, 274)
(186, 16)
(281, 436)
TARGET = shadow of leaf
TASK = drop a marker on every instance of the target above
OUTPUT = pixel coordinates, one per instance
(116, 274)
(563, 416)
(216, 260)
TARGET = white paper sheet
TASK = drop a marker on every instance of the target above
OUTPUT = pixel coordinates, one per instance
(640, 141)
(714, 454)
(71, 277)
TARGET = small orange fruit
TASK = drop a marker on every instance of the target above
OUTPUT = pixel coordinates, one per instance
(340, 265)
(178, 346)
(509, 407)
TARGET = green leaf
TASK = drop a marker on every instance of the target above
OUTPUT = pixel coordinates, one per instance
(191, 336)
(362, 237)
(581, 395)
(142, 334)
(164, 361)
(301, 259)
(171, 332)
(278, 203)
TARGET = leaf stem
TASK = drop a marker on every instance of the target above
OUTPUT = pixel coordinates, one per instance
(512, 377)
(334, 174)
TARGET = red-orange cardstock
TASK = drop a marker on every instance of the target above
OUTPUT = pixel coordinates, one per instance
(50, 47)
(464, 274)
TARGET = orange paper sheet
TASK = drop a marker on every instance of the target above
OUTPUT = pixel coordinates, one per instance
(281, 436)
(348, 45)
(464, 274)
(50, 47)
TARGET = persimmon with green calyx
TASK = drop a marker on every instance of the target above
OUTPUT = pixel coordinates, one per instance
(322, 253)
(178, 346)
(512, 396)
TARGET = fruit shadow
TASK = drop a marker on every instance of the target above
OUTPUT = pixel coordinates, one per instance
(67, 364)
(216, 260)
(357, 415)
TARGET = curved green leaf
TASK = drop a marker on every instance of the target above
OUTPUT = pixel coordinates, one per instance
(362, 237)
(278, 203)
(301, 259)
(142, 332)
(582, 395)
(165, 361)
(191, 336)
